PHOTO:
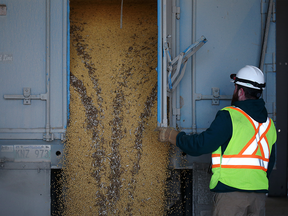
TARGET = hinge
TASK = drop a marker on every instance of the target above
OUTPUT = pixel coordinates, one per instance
(176, 10)
(63, 136)
(48, 137)
(176, 112)
(274, 12)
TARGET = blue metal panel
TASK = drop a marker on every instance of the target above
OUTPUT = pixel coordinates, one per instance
(234, 30)
(23, 36)
(234, 33)
(58, 64)
(185, 40)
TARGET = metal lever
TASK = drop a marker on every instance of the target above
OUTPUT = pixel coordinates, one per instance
(26, 97)
(182, 58)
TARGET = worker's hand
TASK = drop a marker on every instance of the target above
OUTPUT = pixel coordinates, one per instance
(163, 133)
(167, 134)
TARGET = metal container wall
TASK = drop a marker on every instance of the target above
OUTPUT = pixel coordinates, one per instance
(33, 102)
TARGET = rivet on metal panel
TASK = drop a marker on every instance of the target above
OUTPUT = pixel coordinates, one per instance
(215, 101)
(3, 10)
(198, 96)
(27, 102)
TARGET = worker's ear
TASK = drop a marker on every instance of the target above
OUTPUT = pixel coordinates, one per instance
(241, 94)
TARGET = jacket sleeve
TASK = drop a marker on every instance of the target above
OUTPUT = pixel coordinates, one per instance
(218, 134)
(271, 162)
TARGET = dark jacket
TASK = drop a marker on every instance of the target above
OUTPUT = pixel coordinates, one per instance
(219, 134)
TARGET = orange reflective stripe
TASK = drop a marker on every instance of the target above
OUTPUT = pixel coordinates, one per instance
(243, 167)
(216, 166)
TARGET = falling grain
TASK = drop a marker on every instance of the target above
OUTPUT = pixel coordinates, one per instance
(114, 164)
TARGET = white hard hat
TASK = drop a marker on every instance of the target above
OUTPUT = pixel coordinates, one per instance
(249, 76)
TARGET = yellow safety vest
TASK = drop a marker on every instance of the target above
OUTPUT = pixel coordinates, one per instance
(244, 163)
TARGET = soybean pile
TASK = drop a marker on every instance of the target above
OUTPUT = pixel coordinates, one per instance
(114, 164)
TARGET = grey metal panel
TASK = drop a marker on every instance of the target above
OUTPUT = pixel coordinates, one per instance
(202, 200)
(278, 179)
(25, 192)
(23, 37)
(24, 166)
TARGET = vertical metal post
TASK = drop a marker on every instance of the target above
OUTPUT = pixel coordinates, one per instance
(173, 93)
(159, 63)
(121, 14)
(164, 71)
(68, 60)
(265, 39)
(47, 135)
(194, 127)
(278, 178)
(177, 51)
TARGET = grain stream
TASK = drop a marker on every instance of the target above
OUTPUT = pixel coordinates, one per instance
(114, 164)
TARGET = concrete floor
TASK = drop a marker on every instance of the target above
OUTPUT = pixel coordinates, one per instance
(277, 206)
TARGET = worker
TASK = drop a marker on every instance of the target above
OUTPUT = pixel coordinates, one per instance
(241, 139)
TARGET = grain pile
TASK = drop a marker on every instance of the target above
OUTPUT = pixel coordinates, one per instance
(114, 163)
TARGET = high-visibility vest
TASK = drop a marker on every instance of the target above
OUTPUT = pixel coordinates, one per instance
(244, 163)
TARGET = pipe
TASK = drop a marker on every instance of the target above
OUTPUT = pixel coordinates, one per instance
(173, 94)
(121, 14)
(265, 39)
(164, 70)
(193, 69)
(178, 88)
(68, 60)
(48, 136)
(159, 63)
